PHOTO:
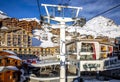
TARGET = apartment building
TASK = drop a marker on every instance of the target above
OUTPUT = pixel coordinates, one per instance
(19, 38)
(16, 38)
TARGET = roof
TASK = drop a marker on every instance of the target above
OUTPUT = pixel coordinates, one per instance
(6, 68)
(1, 57)
(4, 53)
(14, 57)
(10, 52)
(90, 40)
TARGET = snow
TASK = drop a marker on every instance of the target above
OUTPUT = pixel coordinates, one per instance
(12, 68)
(48, 43)
(4, 28)
(40, 35)
(1, 12)
(14, 57)
(3, 15)
(1, 68)
(8, 67)
(98, 26)
(30, 19)
(11, 52)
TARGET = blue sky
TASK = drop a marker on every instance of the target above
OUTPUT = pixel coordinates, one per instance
(29, 9)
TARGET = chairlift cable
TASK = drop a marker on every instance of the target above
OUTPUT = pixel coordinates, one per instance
(39, 8)
(105, 11)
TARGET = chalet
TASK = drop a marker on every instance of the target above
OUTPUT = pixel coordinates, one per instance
(56, 31)
(10, 22)
(26, 25)
(10, 66)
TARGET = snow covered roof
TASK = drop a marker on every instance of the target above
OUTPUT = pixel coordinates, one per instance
(4, 28)
(11, 52)
(12, 68)
(2, 68)
(3, 15)
(14, 57)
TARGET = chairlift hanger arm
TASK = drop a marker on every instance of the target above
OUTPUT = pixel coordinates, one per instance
(79, 8)
(47, 11)
(77, 13)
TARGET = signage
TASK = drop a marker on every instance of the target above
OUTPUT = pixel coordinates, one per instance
(90, 66)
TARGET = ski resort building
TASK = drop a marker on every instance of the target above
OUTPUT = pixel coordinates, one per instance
(10, 66)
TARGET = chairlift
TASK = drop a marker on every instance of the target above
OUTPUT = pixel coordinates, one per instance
(59, 8)
(81, 22)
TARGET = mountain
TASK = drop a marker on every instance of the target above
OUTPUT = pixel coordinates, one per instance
(98, 26)
(30, 19)
(3, 15)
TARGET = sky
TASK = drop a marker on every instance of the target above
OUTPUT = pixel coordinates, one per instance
(29, 9)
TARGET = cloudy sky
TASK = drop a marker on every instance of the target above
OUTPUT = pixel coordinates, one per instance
(29, 9)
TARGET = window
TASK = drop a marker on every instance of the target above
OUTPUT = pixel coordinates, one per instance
(103, 48)
(0, 61)
(15, 50)
(7, 60)
(87, 47)
(106, 63)
(86, 57)
(14, 76)
(71, 48)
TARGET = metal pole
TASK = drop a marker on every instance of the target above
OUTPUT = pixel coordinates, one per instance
(62, 53)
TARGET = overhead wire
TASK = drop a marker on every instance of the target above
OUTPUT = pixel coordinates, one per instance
(105, 11)
(39, 10)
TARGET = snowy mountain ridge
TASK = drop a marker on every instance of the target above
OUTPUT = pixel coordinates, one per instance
(98, 26)
(3, 15)
(30, 19)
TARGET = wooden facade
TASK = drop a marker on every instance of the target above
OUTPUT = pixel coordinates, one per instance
(33, 50)
(10, 66)
(55, 31)
(26, 25)
(9, 76)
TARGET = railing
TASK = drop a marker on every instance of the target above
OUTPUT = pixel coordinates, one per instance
(113, 66)
(49, 78)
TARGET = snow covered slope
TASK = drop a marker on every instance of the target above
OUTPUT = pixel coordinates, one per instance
(99, 26)
(42, 38)
(3, 15)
